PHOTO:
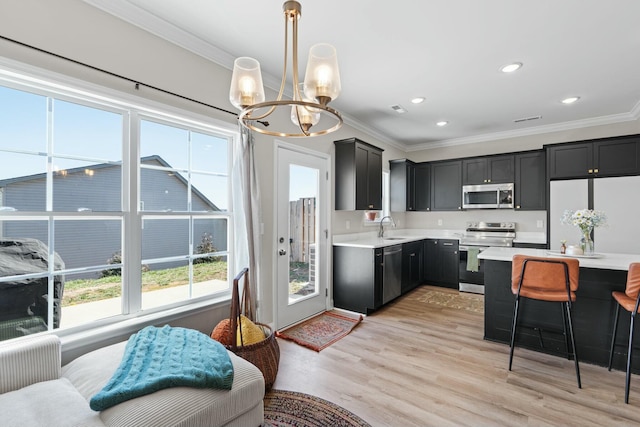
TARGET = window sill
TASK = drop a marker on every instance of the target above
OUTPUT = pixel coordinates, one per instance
(82, 339)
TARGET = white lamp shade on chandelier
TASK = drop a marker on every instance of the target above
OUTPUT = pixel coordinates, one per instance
(246, 83)
(322, 79)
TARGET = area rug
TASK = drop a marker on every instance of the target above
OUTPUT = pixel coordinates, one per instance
(293, 409)
(457, 300)
(320, 331)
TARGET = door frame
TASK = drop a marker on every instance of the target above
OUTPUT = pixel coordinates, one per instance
(325, 266)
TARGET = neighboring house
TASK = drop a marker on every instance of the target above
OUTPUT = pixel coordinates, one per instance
(97, 188)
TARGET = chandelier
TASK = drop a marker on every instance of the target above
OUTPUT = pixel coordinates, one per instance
(309, 106)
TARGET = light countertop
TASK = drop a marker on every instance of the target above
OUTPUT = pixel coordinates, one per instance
(531, 237)
(606, 261)
(393, 237)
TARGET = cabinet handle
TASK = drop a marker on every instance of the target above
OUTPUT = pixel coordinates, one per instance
(595, 171)
(447, 244)
(455, 252)
(459, 207)
(488, 180)
(590, 170)
(484, 180)
(412, 255)
(370, 206)
(428, 209)
(518, 207)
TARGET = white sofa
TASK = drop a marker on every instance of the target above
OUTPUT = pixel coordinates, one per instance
(36, 391)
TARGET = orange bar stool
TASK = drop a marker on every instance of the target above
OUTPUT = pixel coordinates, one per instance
(546, 279)
(629, 300)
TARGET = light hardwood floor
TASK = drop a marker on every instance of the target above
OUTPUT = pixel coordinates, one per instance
(414, 363)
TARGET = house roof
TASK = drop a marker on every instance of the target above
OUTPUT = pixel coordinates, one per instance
(144, 160)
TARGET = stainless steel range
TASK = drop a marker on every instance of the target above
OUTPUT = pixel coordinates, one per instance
(479, 236)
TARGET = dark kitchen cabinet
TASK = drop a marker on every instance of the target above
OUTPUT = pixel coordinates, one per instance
(422, 187)
(446, 185)
(489, 169)
(409, 185)
(357, 278)
(358, 175)
(412, 262)
(530, 181)
(440, 262)
(403, 185)
(597, 158)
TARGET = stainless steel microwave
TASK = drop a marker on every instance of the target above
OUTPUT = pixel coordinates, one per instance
(487, 196)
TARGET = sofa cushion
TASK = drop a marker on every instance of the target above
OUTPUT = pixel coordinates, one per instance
(47, 404)
(178, 406)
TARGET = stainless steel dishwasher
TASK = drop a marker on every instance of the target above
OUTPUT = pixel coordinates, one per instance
(391, 273)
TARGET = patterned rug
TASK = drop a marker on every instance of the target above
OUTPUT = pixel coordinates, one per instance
(320, 331)
(294, 409)
(457, 300)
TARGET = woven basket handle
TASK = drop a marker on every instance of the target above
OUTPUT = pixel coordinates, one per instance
(238, 308)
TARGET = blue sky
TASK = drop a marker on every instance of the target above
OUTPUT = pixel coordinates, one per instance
(95, 134)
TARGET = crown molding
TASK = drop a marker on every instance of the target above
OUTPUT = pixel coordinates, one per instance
(634, 114)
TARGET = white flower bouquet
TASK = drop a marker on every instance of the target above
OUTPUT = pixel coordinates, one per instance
(585, 219)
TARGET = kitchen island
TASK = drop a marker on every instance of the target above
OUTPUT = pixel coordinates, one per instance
(593, 310)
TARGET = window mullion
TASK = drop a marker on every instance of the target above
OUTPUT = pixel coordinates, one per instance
(132, 230)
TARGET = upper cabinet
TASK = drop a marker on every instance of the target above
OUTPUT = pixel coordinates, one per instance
(597, 158)
(490, 169)
(409, 185)
(530, 181)
(358, 175)
(446, 185)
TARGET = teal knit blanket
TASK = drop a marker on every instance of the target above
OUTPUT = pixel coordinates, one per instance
(158, 358)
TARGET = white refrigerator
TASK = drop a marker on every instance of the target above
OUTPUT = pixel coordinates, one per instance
(618, 198)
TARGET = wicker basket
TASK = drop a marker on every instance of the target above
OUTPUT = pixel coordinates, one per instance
(265, 355)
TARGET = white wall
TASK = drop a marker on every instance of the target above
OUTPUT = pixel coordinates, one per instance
(74, 29)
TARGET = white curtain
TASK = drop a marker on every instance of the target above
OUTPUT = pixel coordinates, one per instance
(246, 212)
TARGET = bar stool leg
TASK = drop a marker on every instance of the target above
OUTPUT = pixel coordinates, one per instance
(628, 382)
(613, 335)
(513, 330)
(564, 328)
(573, 344)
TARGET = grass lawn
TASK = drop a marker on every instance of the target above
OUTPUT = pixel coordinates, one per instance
(88, 290)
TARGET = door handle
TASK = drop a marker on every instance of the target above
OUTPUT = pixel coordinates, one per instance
(282, 252)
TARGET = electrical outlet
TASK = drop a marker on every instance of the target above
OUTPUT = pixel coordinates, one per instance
(539, 223)
(439, 222)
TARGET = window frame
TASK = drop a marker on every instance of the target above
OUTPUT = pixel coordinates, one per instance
(133, 108)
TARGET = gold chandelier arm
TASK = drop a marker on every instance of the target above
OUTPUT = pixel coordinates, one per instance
(284, 68)
(296, 86)
(247, 121)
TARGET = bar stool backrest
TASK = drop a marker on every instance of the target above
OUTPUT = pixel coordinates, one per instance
(544, 275)
(633, 280)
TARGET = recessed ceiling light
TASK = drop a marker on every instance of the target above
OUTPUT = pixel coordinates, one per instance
(511, 67)
(442, 123)
(570, 100)
(418, 100)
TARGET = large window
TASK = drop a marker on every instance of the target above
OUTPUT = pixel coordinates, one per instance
(107, 209)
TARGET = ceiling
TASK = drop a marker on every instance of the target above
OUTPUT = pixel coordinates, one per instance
(448, 51)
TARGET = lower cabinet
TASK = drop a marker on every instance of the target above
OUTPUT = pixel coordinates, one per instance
(440, 262)
(357, 278)
(412, 271)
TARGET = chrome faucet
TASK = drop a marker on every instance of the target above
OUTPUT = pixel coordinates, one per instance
(381, 230)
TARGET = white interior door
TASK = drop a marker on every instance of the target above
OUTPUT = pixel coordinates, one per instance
(301, 234)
